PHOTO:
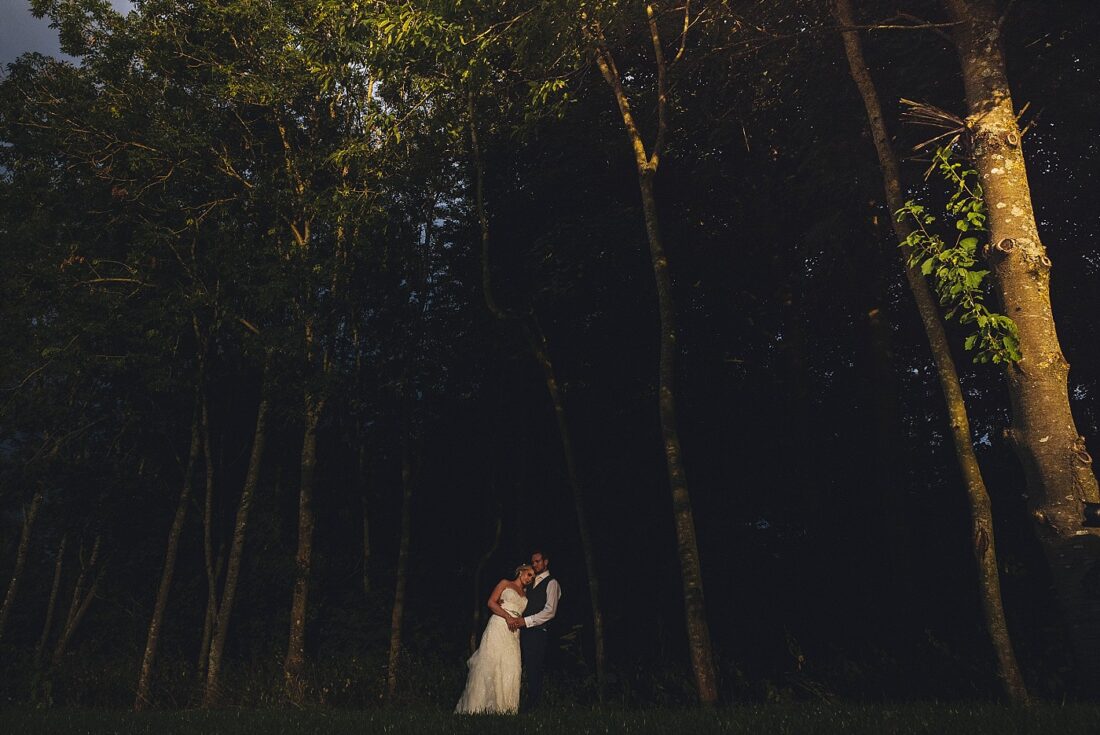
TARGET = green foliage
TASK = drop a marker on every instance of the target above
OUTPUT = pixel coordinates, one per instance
(958, 280)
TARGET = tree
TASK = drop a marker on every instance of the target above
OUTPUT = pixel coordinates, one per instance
(1054, 455)
(985, 553)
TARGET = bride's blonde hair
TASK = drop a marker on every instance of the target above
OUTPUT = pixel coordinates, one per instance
(521, 567)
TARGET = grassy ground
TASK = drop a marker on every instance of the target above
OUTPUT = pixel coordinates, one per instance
(778, 719)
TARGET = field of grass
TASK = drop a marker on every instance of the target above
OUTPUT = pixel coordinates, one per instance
(777, 719)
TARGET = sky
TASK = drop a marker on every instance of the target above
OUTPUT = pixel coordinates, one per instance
(21, 32)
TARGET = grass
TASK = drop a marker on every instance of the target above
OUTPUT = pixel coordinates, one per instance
(775, 719)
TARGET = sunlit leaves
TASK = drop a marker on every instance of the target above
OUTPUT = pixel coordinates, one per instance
(957, 279)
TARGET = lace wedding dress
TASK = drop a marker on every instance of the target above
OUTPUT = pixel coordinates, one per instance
(493, 683)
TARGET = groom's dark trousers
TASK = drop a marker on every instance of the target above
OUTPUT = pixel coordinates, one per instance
(532, 643)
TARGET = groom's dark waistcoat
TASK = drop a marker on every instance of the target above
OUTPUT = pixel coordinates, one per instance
(536, 601)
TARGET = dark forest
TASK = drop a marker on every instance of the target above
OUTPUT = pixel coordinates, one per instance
(321, 317)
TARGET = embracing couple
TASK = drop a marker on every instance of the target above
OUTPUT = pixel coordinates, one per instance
(493, 682)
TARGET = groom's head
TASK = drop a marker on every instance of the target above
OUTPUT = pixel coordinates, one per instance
(539, 561)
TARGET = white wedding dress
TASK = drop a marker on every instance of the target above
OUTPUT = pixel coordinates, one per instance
(492, 686)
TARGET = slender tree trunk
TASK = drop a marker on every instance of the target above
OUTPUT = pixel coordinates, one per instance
(981, 515)
(236, 550)
(141, 698)
(1056, 461)
(29, 515)
(211, 567)
(366, 519)
(647, 162)
(397, 618)
(80, 602)
(295, 656)
(51, 605)
(479, 594)
(540, 350)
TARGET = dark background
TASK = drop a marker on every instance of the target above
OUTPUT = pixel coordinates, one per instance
(832, 522)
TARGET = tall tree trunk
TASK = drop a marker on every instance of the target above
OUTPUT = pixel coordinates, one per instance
(1056, 461)
(211, 566)
(51, 605)
(141, 698)
(294, 663)
(398, 615)
(479, 593)
(366, 519)
(81, 600)
(540, 350)
(985, 552)
(236, 550)
(30, 513)
(647, 162)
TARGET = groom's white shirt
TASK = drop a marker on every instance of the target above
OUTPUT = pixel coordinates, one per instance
(553, 594)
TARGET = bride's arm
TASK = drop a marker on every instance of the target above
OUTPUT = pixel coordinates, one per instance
(494, 601)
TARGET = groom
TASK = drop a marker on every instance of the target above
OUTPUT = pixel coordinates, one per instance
(543, 599)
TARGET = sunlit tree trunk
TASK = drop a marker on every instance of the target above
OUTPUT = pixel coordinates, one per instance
(236, 549)
(82, 598)
(51, 605)
(540, 350)
(981, 515)
(1056, 461)
(30, 513)
(702, 658)
(141, 698)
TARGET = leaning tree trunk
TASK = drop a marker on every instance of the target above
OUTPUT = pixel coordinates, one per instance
(236, 550)
(1043, 433)
(29, 516)
(294, 663)
(647, 162)
(141, 698)
(51, 605)
(981, 514)
(398, 615)
(82, 599)
(540, 350)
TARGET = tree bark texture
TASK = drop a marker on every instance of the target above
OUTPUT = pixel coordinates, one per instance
(647, 164)
(1044, 435)
(295, 656)
(981, 515)
(141, 697)
(30, 513)
(236, 550)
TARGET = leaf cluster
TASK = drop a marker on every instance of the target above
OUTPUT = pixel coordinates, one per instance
(957, 279)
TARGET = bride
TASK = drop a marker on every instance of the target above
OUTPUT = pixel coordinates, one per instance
(493, 683)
